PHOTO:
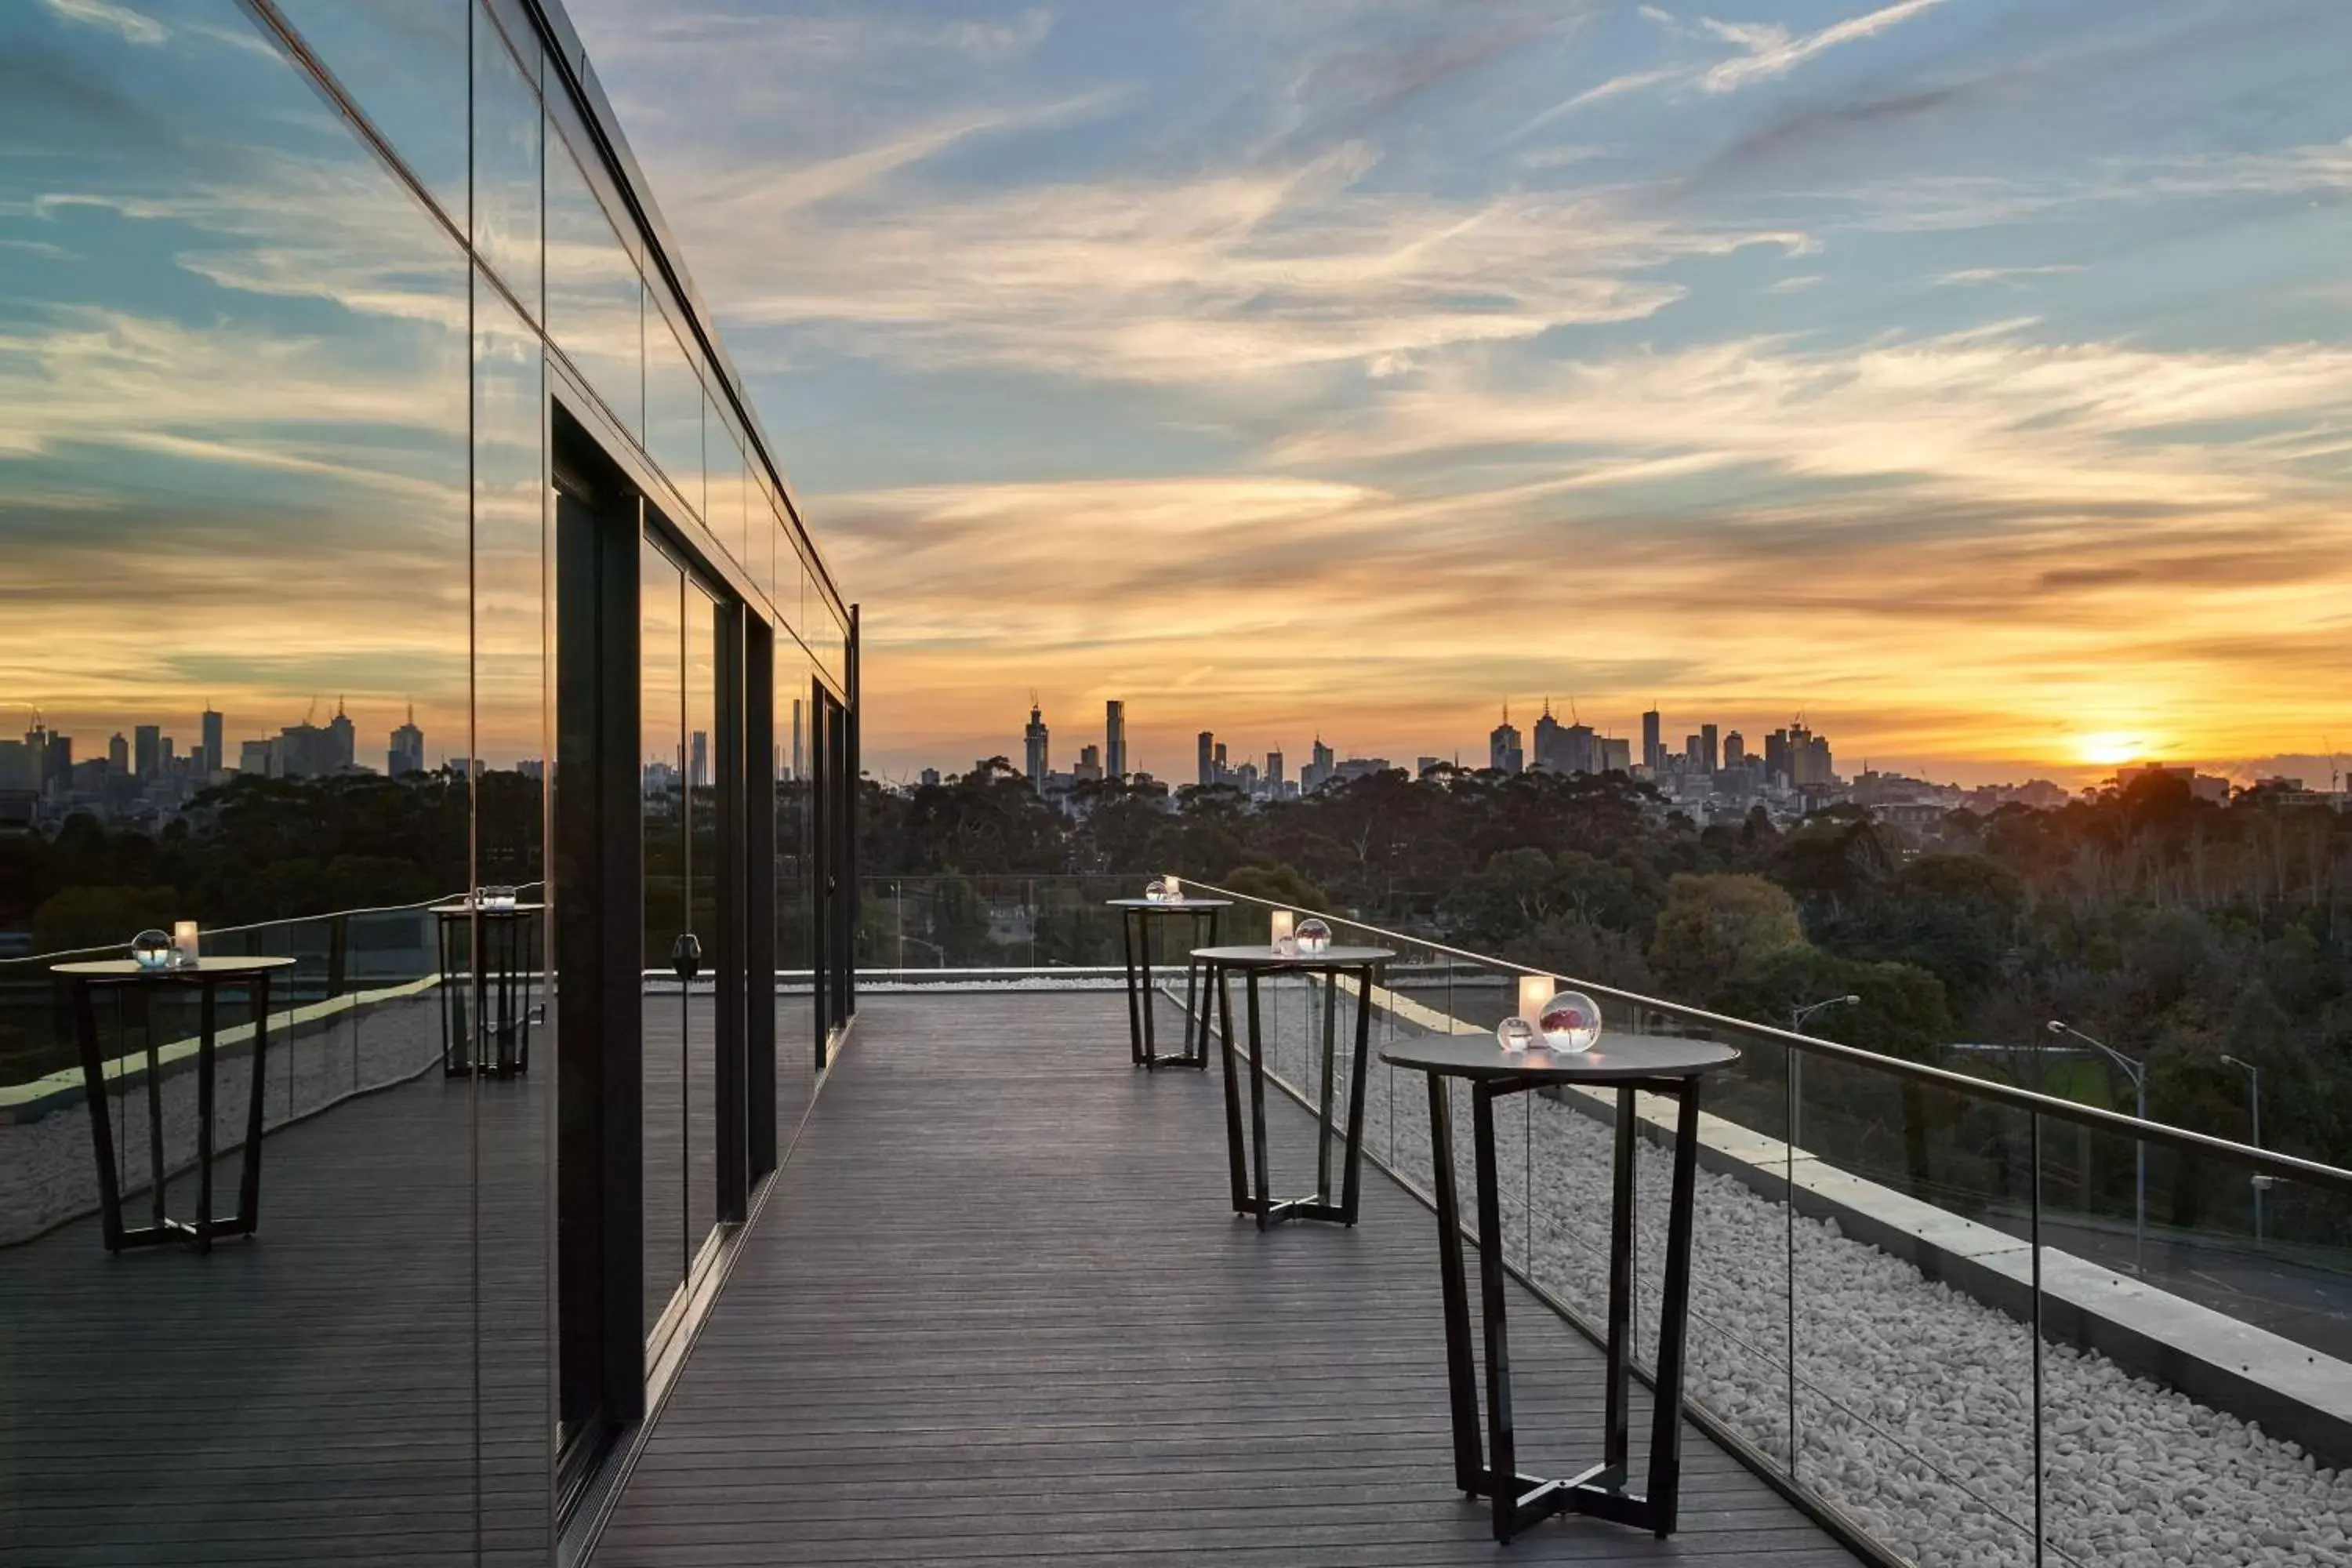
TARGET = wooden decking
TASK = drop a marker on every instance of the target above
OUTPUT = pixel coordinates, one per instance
(998, 1309)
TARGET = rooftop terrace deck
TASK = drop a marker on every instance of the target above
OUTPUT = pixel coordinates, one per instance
(997, 1307)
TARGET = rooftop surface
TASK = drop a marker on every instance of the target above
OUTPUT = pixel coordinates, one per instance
(998, 1309)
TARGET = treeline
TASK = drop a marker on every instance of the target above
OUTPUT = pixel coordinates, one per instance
(2175, 928)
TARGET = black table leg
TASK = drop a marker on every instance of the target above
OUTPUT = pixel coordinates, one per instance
(1264, 1200)
(1323, 1108)
(1673, 1321)
(1128, 920)
(1502, 1450)
(1222, 978)
(1352, 1180)
(101, 1119)
(1461, 1370)
(248, 1191)
(1145, 997)
(1620, 1293)
(155, 1188)
(207, 1018)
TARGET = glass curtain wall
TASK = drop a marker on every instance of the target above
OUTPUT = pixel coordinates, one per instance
(288, 291)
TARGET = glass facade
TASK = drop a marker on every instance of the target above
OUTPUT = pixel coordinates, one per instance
(358, 458)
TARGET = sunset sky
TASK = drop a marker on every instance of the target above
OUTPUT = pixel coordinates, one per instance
(1969, 376)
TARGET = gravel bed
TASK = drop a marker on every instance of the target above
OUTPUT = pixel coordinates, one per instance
(1913, 1401)
(48, 1174)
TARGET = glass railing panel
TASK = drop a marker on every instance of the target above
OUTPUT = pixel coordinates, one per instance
(2192, 1370)
(1912, 1313)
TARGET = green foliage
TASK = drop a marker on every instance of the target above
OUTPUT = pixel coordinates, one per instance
(101, 916)
(1712, 926)
(1277, 885)
(1903, 1010)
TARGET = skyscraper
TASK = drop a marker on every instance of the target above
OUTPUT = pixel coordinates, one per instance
(1547, 754)
(1034, 739)
(1777, 763)
(1115, 739)
(1653, 749)
(408, 752)
(1735, 750)
(1089, 764)
(118, 754)
(698, 767)
(1273, 774)
(1206, 745)
(146, 749)
(342, 740)
(215, 755)
(1710, 753)
(1504, 753)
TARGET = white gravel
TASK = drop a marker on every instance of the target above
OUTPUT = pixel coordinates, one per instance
(1913, 1401)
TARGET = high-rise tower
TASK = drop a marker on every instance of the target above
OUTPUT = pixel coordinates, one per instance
(1115, 739)
(1034, 739)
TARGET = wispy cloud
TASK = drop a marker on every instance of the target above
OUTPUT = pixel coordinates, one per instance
(1770, 51)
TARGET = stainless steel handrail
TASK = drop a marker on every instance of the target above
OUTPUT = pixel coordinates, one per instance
(2265, 1161)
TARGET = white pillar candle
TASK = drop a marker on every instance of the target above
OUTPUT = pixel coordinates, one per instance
(1535, 990)
(1173, 886)
(184, 942)
(1280, 924)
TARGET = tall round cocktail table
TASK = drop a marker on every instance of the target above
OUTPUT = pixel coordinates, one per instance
(499, 950)
(1628, 1063)
(1362, 967)
(1134, 918)
(206, 978)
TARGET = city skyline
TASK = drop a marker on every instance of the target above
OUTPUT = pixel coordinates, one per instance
(1963, 375)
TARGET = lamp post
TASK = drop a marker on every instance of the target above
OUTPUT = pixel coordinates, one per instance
(2137, 1073)
(2253, 1111)
(1798, 1016)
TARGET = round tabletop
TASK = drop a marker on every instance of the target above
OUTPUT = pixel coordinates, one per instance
(1614, 1059)
(451, 911)
(202, 969)
(1173, 906)
(1264, 956)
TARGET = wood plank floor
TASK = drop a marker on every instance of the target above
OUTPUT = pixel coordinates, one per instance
(998, 1309)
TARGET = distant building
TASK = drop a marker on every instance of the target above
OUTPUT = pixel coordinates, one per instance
(147, 749)
(698, 765)
(1360, 768)
(214, 758)
(1089, 764)
(1206, 744)
(343, 738)
(1735, 750)
(1317, 772)
(930, 778)
(1504, 752)
(1778, 768)
(20, 767)
(1034, 740)
(406, 753)
(1616, 755)
(1653, 749)
(254, 758)
(1694, 755)
(118, 754)
(1274, 777)
(1544, 752)
(1709, 753)
(303, 751)
(1114, 756)
(1424, 767)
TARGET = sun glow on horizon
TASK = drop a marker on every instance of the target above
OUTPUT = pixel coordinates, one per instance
(2112, 748)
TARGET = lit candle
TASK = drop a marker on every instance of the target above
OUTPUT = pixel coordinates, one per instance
(183, 943)
(1173, 886)
(1280, 924)
(1535, 990)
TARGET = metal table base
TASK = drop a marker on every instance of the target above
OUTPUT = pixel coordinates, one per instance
(1136, 916)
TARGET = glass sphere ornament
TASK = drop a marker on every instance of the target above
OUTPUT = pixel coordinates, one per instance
(1515, 1034)
(1313, 936)
(1286, 947)
(1156, 890)
(498, 898)
(152, 949)
(1569, 1022)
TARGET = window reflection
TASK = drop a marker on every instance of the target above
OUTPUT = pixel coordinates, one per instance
(506, 142)
(595, 304)
(674, 404)
(236, 386)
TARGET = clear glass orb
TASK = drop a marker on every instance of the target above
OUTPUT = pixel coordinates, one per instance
(1287, 946)
(1515, 1034)
(152, 949)
(1156, 890)
(1569, 1022)
(1313, 936)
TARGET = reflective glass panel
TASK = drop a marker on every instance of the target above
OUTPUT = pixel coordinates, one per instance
(669, 1014)
(403, 63)
(795, 915)
(233, 367)
(674, 404)
(594, 299)
(704, 743)
(507, 145)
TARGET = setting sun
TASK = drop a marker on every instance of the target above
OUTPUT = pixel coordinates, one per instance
(2111, 748)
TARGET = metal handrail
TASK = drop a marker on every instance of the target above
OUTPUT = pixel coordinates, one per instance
(64, 952)
(2332, 1178)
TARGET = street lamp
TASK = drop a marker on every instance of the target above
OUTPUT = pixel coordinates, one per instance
(2254, 1111)
(1797, 1015)
(2137, 1073)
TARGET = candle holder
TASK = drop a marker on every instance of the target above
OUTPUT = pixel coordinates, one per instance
(1279, 924)
(183, 944)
